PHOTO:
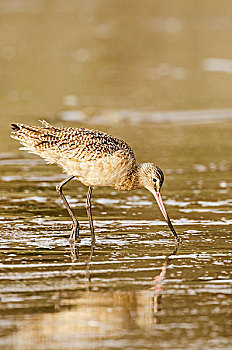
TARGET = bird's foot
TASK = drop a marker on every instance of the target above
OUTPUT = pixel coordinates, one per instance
(93, 240)
(178, 241)
(74, 236)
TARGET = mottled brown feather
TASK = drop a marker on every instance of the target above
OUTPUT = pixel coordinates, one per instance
(73, 143)
(94, 157)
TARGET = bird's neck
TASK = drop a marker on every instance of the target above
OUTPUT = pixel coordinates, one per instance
(135, 177)
(132, 179)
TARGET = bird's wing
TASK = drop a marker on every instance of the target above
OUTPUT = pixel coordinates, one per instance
(71, 143)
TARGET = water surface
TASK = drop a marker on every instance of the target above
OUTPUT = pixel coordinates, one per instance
(133, 289)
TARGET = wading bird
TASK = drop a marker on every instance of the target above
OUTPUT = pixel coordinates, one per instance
(95, 159)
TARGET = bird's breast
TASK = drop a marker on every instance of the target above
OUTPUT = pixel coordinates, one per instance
(106, 171)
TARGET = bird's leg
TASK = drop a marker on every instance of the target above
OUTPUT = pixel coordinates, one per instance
(75, 228)
(88, 209)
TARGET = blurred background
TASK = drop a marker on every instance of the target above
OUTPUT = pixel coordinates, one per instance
(82, 59)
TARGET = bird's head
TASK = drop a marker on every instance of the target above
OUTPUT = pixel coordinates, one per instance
(151, 177)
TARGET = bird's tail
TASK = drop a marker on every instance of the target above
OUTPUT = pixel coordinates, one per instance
(34, 138)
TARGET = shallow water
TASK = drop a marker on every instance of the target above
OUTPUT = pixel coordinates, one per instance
(133, 289)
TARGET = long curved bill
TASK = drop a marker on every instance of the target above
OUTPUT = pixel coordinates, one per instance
(163, 211)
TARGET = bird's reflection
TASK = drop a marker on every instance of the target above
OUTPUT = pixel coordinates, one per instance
(131, 300)
(75, 256)
(75, 249)
(88, 264)
(157, 287)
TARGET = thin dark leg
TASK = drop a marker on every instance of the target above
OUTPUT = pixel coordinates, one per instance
(75, 228)
(88, 209)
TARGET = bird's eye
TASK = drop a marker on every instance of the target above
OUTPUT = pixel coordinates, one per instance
(154, 180)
